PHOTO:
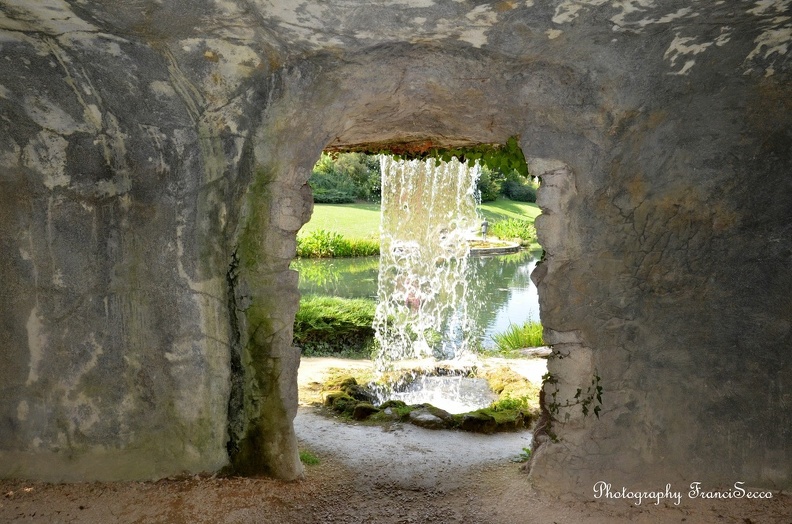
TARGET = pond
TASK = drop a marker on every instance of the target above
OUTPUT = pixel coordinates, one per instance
(500, 291)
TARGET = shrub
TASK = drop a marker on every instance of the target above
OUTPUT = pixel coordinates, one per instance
(519, 190)
(332, 325)
(332, 196)
(489, 184)
(345, 178)
(522, 231)
(327, 244)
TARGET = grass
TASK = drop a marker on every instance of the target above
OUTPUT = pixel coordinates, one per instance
(529, 335)
(362, 220)
(503, 209)
(308, 458)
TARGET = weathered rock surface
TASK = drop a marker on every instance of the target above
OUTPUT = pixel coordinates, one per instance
(153, 167)
(422, 417)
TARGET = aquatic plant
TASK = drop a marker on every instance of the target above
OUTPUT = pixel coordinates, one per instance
(517, 337)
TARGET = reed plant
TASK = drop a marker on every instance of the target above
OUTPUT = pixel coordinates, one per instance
(527, 335)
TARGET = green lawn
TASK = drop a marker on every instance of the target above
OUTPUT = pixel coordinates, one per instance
(350, 220)
(362, 220)
(504, 208)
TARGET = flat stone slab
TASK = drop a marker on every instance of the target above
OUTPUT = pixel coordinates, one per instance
(503, 248)
(540, 352)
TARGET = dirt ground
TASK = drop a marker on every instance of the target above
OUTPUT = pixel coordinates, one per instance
(400, 474)
(333, 493)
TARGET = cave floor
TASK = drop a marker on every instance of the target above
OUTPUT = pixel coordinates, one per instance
(367, 474)
(335, 493)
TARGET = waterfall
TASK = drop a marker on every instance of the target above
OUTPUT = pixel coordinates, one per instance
(428, 216)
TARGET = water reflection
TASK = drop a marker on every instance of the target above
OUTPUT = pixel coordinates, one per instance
(338, 277)
(500, 291)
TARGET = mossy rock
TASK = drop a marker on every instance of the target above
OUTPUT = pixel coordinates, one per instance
(393, 404)
(394, 410)
(437, 412)
(340, 382)
(359, 392)
(349, 385)
(477, 422)
(364, 410)
(423, 417)
(330, 397)
(345, 405)
(490, 420)
(503, 378)
(340, 402)
(508, 420)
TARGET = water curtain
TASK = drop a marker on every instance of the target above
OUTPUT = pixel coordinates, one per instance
(428, 216)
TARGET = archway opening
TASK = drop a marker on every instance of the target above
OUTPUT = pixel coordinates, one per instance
(338, 289)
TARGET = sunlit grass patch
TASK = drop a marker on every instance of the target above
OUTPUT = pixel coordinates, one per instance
(516, 337)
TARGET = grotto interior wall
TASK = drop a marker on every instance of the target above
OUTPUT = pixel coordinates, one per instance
(154, 162)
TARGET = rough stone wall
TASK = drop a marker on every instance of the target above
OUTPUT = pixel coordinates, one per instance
(153, 160)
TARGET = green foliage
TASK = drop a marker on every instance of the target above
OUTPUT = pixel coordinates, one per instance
(329, 185)
(522, 231)
(519, 192)
(326, 244)
(507, 402)
(504, 158)
(489, 184)
(331, 325)
(345, 178)
(364, 171)
(332, 196)
(308, 458)
(592, 395)
(516, 187)
(517, 337)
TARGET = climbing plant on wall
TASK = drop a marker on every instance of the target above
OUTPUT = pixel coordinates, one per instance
(506, 157)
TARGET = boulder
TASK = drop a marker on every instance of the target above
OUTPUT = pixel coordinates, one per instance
(364, 410)
(424, 418)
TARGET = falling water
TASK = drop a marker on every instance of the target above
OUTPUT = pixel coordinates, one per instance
(428, 215)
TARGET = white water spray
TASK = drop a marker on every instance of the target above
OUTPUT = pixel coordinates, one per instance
(428, 216)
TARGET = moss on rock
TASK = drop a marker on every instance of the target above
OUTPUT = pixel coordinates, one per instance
(363, 410)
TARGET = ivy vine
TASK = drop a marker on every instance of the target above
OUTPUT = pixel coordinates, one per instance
(585, 399)
(506, 157)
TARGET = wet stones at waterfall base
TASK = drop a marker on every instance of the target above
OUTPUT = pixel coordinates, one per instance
(355, 401)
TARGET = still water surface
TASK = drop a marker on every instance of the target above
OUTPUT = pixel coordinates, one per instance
(500, 291)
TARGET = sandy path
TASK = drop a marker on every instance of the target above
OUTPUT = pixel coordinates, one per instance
(366, 475)
(405, 455)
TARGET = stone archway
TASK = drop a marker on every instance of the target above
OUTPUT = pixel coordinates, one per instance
(346, 108)
(595, 282)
